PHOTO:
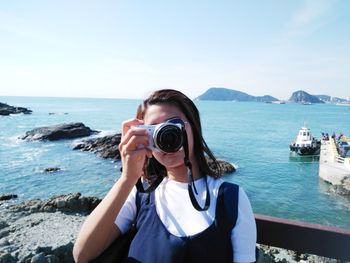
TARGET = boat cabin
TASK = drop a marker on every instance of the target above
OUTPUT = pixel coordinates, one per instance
(305, 143)
(304, 137)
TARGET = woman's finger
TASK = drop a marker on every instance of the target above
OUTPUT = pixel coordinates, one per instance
(133, 132)
(126, 125)
(134, 140)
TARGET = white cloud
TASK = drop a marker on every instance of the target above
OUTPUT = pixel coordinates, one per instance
(310, 14)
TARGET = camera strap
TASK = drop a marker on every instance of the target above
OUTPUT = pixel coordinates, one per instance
(191, 183)
(151, 188)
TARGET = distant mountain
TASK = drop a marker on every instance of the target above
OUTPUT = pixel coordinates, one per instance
(330, 99)
(301, 96)
(265, 98)
(232, 95)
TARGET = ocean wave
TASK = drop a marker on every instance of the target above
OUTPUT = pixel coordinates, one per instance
(32, 155)
(104, 133)
(12, 141)
(16, 114)
(98, 135)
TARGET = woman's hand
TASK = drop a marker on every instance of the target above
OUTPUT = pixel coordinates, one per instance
(133, 150)
(99, 229)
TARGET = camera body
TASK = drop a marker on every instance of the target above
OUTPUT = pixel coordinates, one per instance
(164, 137)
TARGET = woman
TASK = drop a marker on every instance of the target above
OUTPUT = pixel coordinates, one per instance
(191, 216)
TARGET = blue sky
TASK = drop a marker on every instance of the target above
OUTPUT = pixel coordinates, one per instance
(126, 49)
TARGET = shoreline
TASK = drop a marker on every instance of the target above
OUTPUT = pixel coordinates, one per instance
(45, 231)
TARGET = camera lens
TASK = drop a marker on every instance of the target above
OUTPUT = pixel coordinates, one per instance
(169, 138)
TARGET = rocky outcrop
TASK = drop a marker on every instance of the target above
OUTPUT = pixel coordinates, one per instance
(105, 147)
(43, 230)
(225, 167)
(6, 110)
(58, 132)
(71, 203)
(5, 197)
(301, 96)
(52, 169)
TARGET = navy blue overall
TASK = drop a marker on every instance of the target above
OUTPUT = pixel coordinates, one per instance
(154, 243)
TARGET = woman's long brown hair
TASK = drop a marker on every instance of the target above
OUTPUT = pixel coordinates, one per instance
(153, 170)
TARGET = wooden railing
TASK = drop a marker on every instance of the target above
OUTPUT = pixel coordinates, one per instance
(304, 237)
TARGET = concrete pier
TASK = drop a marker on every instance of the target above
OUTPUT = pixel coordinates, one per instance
(333, 168)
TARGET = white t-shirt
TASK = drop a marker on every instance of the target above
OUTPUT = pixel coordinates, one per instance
(176, 212)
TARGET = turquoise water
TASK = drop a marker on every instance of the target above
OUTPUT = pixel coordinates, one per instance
(254, 136)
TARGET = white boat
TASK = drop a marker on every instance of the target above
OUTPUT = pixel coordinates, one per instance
(305, 143)
(306, 103)
(345, 103)
(278, 102)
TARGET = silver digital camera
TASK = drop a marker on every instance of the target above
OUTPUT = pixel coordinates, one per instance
(165, 137)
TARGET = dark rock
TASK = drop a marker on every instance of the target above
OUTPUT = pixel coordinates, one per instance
(61, 253)
(225, 167)
(64, 203)
(39, 258)
(4, 242)
(64, 253)
(7, 258)
(44, 258)
(105, 147)
(6, 110)
(3, 224)
(53, 259)
(35, 223)
(4, 233)
(4, 197)
(45, 250)
(52, 169)
(60, 131)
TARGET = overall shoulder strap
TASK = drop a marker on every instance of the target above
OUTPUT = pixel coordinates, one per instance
(227, 205)
(141, 199)
(138, 202)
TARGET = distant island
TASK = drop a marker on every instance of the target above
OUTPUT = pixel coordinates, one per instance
(300, 96)
(233, 95)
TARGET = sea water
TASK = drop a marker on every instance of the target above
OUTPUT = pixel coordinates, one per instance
(253, 136)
